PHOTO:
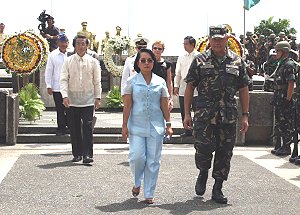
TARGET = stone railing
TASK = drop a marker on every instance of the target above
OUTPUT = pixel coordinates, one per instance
(9, 116)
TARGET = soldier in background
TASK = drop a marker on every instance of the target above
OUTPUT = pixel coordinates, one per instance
(250, 45)
(271, 42)
(293, 43)
(282, 37)
(268, 69)
(262, 53)
(284, 80)
(218, 74)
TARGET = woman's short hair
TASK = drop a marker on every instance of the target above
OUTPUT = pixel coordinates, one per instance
(138, 57)
(159, 42)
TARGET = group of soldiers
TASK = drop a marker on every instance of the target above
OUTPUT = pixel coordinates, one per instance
(259, 47)
(283, 78)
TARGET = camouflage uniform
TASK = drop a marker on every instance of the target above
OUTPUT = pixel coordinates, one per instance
(284, 124)
(216, 109)
(250, 45)
(262, 54)
(268, 68)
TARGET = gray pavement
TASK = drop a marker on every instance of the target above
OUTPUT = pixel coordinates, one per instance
(40, 179)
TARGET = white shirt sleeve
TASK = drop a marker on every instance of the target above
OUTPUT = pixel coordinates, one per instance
(64, 79)
(128, 87)
(97, 79)
(177, 77)
(125, 74)
(49, 72)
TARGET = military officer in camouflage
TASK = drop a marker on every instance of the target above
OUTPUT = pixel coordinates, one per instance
(284, 79)
(218, 74)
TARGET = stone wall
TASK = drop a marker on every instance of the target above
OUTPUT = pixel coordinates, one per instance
(261, 120)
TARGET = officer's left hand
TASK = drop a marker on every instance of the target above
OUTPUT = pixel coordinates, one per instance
(244, 124)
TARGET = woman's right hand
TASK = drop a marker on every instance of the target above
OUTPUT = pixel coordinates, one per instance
(124, 132)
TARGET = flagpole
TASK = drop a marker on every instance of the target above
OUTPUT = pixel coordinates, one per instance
(244, 23)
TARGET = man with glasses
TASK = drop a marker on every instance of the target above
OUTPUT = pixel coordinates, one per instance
(140, 42)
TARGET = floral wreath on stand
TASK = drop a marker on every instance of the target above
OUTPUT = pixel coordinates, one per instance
(116, 46)
(25, 52)
(233, 44)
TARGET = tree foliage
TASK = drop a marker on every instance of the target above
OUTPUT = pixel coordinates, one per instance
(266, 27)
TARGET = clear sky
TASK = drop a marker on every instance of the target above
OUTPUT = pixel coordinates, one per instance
(169, 21)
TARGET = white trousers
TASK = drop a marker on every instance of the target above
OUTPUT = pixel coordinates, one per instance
(144, 160)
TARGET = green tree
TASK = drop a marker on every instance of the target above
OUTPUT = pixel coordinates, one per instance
(266, 27)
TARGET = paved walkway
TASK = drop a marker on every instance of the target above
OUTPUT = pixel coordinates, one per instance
(41, 179)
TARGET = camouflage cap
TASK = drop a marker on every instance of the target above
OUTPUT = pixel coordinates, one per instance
(217, 31)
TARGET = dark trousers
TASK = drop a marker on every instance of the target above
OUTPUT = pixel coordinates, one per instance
(181, 104)
(81, 129)
(61, 113)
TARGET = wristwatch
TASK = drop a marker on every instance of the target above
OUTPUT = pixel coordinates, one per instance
(246, 114)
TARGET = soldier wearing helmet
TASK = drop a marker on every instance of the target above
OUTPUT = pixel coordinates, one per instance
(271, 42)
(293, 43)
(284, 79)
(281, 36)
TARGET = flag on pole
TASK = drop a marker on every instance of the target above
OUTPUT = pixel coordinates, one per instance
(250, 3)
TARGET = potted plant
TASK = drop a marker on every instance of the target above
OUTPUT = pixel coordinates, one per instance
(30, 105)
(114, 99)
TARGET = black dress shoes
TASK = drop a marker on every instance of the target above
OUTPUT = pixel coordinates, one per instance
(87, 159)
(76, 159)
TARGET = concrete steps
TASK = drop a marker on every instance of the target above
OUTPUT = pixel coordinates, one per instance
(107, 130)
(98, 139)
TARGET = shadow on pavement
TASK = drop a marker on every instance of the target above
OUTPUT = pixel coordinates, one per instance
(189, 206)
(129, 204)
(68, 163)
(177, 208)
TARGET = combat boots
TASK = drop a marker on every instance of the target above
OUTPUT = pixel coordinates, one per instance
(217, 194)
(297, 160)
(200, 186)
(277, 145)
(283, 150)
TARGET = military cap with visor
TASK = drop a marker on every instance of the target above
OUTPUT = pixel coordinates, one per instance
(217, 32)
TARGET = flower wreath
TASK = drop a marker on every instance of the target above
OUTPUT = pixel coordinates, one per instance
(233, 44)
(115, 46)
(23, 53)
